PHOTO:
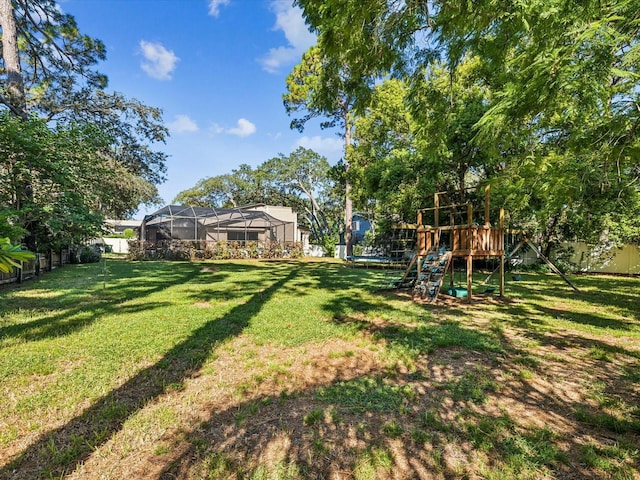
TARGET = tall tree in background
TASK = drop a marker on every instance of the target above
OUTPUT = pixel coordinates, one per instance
(300, 180)
(304, 173)
(388, 159)
(49, 67)
(243, 186)
(321, 87)
(14, 95)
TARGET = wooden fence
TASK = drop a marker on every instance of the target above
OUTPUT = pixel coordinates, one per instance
(35, 267)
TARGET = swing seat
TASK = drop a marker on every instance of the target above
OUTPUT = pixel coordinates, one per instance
(457, 292)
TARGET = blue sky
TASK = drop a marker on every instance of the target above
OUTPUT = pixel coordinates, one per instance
(216, 68)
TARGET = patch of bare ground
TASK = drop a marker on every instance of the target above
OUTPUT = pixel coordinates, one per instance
(247, 395)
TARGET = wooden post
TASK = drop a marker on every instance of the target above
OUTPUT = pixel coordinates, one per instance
(551, 265)
(502, 275)
(503, 253)
(469, 214)
(469, 276)
(451, 273)
(415, 259)
(436, 212)
(487, 199)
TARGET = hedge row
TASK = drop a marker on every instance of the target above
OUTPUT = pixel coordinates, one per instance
(202, 250)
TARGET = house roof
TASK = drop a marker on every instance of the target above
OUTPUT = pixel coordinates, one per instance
(122, 223)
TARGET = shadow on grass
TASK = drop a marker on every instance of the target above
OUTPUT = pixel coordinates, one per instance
(80, 307)
(370, 425)
(588, 319)
(334, 277)
(622, 293)
(356, 422)
(58, 452)
(424, 339)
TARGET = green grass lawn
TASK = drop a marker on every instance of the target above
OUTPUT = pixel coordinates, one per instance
(299, 369)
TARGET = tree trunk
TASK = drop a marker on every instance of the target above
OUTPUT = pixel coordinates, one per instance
(316, 210)
(15, 83)
(348, 204)
(16, 101)
(549, 234)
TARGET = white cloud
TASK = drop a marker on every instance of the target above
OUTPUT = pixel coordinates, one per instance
(159, 62)
(243, 128)
(182, 124)
(288, 19)
(214, 6)
(330, 147)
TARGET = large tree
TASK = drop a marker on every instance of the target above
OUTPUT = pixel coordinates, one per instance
(243, 186)
(564, 109)
(305, 174)
(323, 87)
(409, 145)
(50, 75)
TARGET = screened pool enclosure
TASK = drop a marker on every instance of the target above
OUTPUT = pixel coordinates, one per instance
(242, 225)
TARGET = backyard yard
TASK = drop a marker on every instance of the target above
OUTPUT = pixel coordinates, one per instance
(303, 369)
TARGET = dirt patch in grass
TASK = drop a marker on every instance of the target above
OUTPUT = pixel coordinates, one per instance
(202, 304)
(457, 414)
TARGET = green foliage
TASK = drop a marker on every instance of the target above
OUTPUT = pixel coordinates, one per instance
(86, 254)
(129, 233)
(300, 180)
(11, 255)
(53, 182)
(387, 163)
(203, 250)
(413, 142)
(305, 174)
(539, 97)
(322, 86)
(243, 186)
(71, 153)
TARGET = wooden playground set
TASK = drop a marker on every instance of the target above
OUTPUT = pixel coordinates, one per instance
(449, 231)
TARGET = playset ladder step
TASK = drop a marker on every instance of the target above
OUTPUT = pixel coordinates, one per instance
(431, 273)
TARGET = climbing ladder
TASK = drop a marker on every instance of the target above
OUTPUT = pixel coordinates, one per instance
(432, 271)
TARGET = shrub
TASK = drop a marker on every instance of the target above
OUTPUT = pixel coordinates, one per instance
(129, 233)
(86, 254)
(202, 250)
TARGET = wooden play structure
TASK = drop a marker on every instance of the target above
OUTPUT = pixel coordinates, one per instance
(448, 231)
